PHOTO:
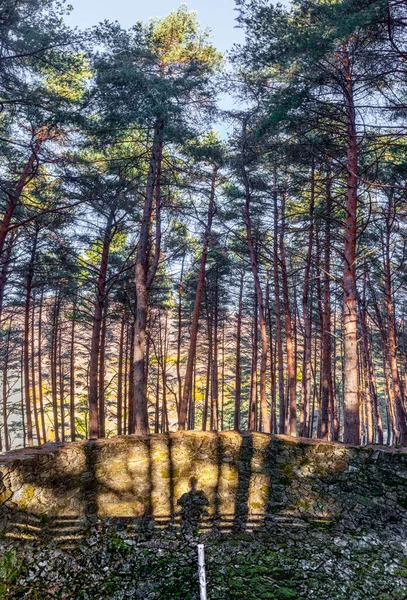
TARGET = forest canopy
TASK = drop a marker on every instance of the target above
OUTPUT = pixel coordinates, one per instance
(169, 264)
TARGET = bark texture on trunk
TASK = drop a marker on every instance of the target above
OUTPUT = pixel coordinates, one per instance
(183, 408)
(351, 407)
(98, 309)
(292, 377)
(306, 375)
(140, 420)
(279, 327)
(28, 290)
(238, 368)
(264, 416)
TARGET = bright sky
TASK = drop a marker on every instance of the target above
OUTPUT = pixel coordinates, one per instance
(218, 15)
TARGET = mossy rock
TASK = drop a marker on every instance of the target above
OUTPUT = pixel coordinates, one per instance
(287, 592)
(402, 502)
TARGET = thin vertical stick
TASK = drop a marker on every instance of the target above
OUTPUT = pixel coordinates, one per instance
(202, 572)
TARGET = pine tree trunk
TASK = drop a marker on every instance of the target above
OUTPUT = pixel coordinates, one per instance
(33, 383)
(22, 404)
(183, 408)
(306, 377)
(130, 391)
(101, 373)
(252, 416)
(292, 383)
(53, 365)
(327, 399)
(179, 335)
(29, 283)
(61, 385)
(208, 368)
(5, 389)
(392, 413)
(279, 337)
(264, 417)
(370, 391)
(120, 376)
(164, 411)
(98, 310)
(40, 381)
(351, 393)
(238, 368)
(273, 412)
(126, 378)
(215, 370)
(373, 385)
(5, 266)
(140, 423)
(391, 336)
(222, 412)
(72, 375)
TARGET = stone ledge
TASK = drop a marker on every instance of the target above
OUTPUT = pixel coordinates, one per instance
(239, 478)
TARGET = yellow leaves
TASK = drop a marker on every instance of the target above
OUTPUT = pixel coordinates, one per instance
(177, 39)
(68, 84)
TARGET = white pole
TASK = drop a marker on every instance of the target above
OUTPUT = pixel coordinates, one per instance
(202, 572)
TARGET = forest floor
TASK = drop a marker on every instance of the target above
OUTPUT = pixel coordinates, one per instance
(113, 559)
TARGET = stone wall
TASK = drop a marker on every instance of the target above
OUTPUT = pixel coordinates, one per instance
(232, 480)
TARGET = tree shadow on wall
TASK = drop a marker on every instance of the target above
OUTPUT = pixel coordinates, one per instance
(245, 483)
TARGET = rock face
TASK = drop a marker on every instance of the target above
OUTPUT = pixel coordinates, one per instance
(280, 518)
(241, 481)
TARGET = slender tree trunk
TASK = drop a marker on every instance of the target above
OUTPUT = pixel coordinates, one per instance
(126, 377)
(366, 381)
(215, 370)
(40, 382)
(179, 336)
(33, 382)
(373, 387)
(101, 394)
(61, 385)
(130, 392)
(292, 383)
(264, 418)
(29, 284)
(157, 386)
(279, 337)
(391, 336)
(191, 413)
(327, 399)
(53, 364)
(351, 395)
(72, 375)
(140, 423)
(5, 389)
(238, 368)
(5, 267)
(164, 411)
(222, 412)
(22, 398)
(273, 412)
(385, 343)
(306, 377)
(100, 298)
(208, 369)
(120, 376)
(197, 307)
(252, 416)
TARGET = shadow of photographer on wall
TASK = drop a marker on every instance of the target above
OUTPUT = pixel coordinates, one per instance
(193, 509)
